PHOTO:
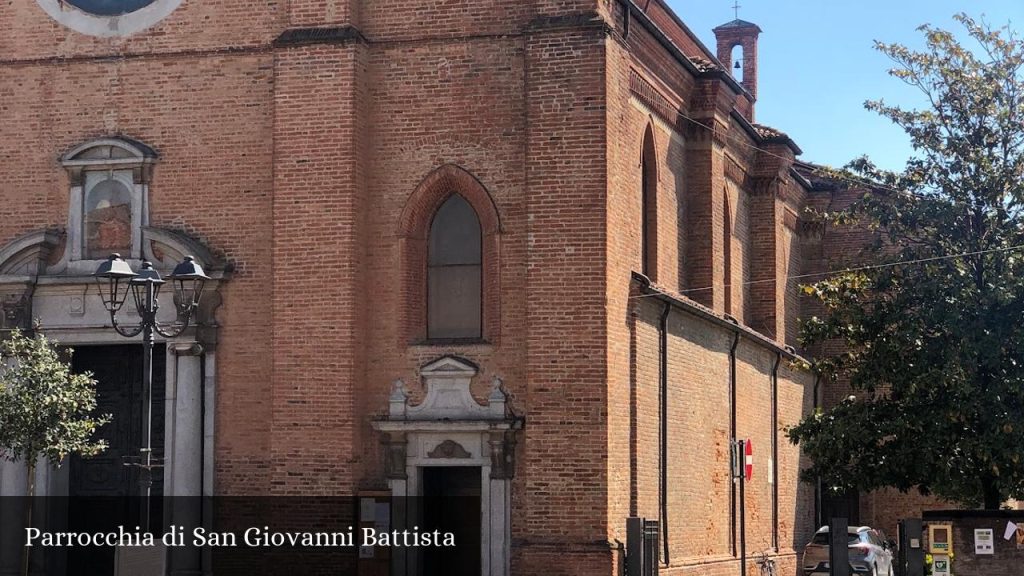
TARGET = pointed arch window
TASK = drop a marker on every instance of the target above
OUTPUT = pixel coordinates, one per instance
(454, 272)
(649, 207)
(450, 238)
(727, 252)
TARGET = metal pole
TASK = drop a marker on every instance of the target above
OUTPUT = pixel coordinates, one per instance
(732, 436)
(663, 432)
(775, 450)
(634, 546)
(838, 548)
(743, 507)
(146, 452)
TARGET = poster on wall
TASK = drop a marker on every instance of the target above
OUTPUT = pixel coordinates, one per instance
(984, 541)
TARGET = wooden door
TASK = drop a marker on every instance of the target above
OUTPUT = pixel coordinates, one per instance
(103, 490)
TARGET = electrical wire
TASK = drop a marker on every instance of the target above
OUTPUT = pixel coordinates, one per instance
(829, 174)
(832, 176)
(855, 269)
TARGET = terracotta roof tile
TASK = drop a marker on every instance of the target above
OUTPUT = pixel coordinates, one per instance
(703, 64)
(769, 133)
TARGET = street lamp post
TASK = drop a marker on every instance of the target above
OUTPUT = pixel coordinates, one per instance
(115, 279)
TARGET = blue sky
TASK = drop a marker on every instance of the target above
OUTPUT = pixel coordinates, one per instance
(817, 65)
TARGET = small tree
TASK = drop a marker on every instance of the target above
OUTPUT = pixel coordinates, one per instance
(45, 409)
(934, 349)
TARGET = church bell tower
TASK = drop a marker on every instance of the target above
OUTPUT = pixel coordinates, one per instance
(743, 34)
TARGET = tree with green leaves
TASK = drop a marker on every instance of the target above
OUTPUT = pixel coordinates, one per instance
(46, 411)
(934, 337)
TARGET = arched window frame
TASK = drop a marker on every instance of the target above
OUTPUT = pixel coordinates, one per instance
(734, 59)
(649, 205)
(414, 232)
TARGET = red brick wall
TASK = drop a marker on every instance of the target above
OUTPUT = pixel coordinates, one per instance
(311, 13)
(224, 166)
(883, 509)
(692, 185)
(565, 468)
(192, 30)
(675, 28)
(317, 287)
(763, 310)
(417, 20)
(699, 521)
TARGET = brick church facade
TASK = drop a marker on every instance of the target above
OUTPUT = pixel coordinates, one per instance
(610, 303)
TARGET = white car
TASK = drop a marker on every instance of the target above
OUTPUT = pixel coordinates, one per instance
(870, 553)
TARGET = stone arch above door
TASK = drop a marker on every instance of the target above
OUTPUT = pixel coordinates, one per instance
(37, 283)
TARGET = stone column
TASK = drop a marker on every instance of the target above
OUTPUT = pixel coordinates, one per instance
(503, 449)
(500, 528)
(47, 514)
(395, 453)
(13, 487)
(184, 452)
(209, 430)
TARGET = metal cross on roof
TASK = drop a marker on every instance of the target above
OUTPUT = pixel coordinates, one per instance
(736, 7)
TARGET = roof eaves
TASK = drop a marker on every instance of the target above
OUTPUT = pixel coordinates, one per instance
(737, 23)
(680, 56)
(687, 305)
(765, 134)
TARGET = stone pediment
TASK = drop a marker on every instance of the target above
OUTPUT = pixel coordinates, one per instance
(449, 365)
(30, 255)
(27, 255)
(166, 248)
(41, 257)
(447, 381)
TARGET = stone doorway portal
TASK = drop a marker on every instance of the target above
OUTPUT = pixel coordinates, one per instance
(451, 444)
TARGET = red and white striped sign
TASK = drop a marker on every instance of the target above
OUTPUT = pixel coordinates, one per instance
(748, 459)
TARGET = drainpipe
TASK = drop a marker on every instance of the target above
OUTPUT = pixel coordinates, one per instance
(731, 324)
(627, 17)
(732, 434)
(743, 509)
(817, 485)
(663, 417)
(775, 450)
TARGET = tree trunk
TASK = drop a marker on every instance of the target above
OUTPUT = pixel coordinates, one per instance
(990, 491)
(27, 551)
